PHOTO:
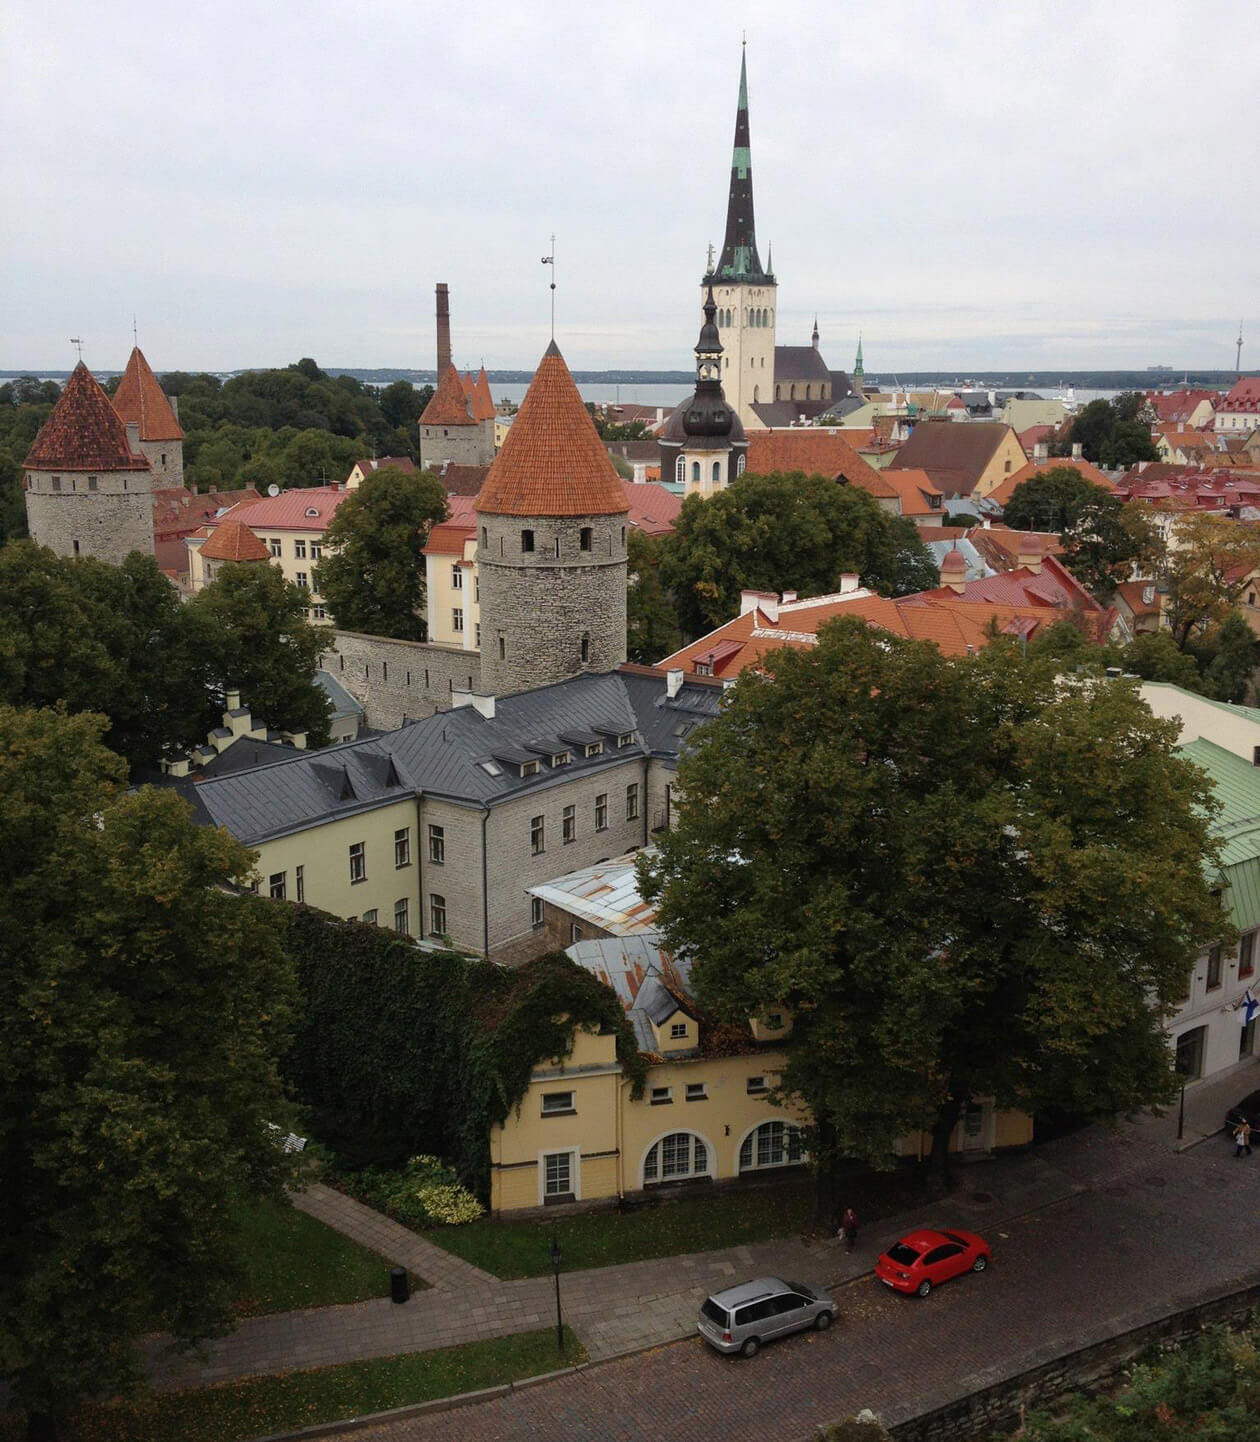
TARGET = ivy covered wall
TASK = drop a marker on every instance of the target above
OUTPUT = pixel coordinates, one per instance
(399, 1051)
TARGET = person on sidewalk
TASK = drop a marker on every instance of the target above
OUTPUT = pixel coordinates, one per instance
(849, 1228)
(1242, 1139)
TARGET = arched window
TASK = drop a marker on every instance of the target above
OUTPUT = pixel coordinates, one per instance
(695, 470)
(807, 391)
(756, 394)
(674, 1158)
(680, 468)
(778, 393)
(740, 464)
(772, 1144)
(717, 473)
(586, 648)
(792, 394)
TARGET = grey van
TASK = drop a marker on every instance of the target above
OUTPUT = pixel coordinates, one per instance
(741, 1318)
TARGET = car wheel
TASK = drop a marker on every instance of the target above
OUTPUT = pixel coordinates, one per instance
(924, 1289)
(822, 1321)
(750, 1348)
(980, 1263)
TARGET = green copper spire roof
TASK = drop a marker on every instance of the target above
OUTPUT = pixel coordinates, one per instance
(857, 364)
(739, 259)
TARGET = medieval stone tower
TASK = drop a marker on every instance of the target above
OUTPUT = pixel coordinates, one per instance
(140, 399)
(745, 292)
(551, 552)
(89, 489)
(458, 423)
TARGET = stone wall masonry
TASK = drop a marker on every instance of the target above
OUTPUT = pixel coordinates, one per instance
(457, 878)
(109, 522)
(397, 681)
(166, 460)
(462, 445)
(998, 1406)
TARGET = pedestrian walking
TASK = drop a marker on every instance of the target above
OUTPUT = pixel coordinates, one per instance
(1242, 1139)
(848, 1228)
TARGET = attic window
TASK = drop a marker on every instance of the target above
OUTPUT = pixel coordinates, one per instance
(529, 768)
(491, 769)
(593, 748)
(561, 758)
(626, 738)
(312, 512)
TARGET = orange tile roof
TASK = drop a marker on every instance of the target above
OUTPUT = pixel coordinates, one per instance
(178, 511)
(915, 490)
(139, 398)
(447, 538)
(814, 451)
(480, 401)
(232, 540)
(1087, 470)
(448, 405)
(83, 433)
(553, 462)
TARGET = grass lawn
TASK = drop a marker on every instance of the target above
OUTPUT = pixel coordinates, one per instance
(293, 1261)
(696, 1222)
(258, 1406)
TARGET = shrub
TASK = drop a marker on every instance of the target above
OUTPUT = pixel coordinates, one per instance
(424, 1193)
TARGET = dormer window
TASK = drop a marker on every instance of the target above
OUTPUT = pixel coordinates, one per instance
(529, 768)
(625, 739)
(593, 748)
(561, 758)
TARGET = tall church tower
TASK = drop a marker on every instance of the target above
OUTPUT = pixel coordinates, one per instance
(551, 544)
(704, 446)
(744, 291)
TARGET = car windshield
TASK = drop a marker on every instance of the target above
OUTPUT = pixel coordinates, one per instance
(801, 1289)
(713, 1312)
(906, 1256)
(954, 1237)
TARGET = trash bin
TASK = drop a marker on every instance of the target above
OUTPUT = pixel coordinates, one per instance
(399, 1290)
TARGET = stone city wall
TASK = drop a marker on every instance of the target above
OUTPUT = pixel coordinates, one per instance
(397, 681)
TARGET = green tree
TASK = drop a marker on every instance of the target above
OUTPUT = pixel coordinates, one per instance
(1155, 656)
(141, 1007)
(1228, 673)
(785, 532)
(401, 404)
(961, 878)
(250, 632)
(372, 574)
(651, 621)
(1207, 567)
(1113, 433)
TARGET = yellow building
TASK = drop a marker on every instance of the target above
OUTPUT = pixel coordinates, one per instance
(706, 1114)
(452, 588)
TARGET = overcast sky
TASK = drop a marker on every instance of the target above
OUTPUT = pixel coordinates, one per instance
(970, 186)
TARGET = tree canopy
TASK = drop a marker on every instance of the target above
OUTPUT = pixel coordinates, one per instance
(961, 877)
(1207, 565)
(651, 622)
(1114, 433)
(372, 574)
(785, 532)
(141, 1008)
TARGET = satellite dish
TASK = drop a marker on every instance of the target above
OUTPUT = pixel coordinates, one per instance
(273, 489)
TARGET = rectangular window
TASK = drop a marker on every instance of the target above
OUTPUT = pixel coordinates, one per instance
(632, 801)
(537, 836)
(554, 1103)
(1189, 1063)
(400, 916)
(584, 538)
(535, 912)
(575, 933)
(568, 825)
(299, 882)
(457, 618)
(477, 634)
(601, 811)
(273, 545)
(678, 1031)
(56, 483)
(527, 540)
(661, 1096)
(558, 1175)
(697, 1092)
(1213, 968)
(757, 1085)
(358, 862)
(277, 886)
(457, 578)
(437, 914)
(476, 588)
(299, 550)
(1247, 954)
(402, 847)
(317, 550)
(593, 748)
(300, 578)
(369, 917)
(437, 845)
(626, 738)
(91, 483)
(319, 613)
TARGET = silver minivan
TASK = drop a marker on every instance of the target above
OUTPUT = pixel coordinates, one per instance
(741, 1318)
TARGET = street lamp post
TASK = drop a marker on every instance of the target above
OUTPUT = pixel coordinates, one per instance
(1181, 1114)
(554, 1254)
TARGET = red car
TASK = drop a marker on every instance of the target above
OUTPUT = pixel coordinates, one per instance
(924, 1259)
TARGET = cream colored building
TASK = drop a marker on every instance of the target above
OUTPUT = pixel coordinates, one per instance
(452, 586)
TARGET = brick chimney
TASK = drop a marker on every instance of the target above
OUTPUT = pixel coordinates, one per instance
(443, 329)
(1041, 451)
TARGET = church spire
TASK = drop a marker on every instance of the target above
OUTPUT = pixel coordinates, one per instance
(739, 260)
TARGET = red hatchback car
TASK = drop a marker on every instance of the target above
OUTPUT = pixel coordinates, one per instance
(924, 1259)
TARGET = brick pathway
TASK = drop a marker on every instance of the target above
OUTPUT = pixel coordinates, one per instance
(1155, 1231)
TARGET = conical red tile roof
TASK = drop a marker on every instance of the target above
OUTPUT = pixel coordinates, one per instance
(553, 462)
(139, 398)
(233, 541)
(449, 405)
(84, 432)
(481, 403)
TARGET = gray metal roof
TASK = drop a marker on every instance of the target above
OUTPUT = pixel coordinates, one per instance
(606, 894)
(443, 755)
(343, 703)
(635, 968)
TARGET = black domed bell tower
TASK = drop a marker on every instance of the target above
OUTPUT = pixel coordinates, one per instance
(703, 446)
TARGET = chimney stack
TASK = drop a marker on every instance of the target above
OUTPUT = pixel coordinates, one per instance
(443, 329)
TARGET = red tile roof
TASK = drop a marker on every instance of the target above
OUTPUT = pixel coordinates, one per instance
(553, 462)
(448, 405)
(447, 538)
(83, 433)
(139, 398)
(915, 490)
(816, 452)
(178, 512)
(310, 509)
(477, 391)
(653, 509)
(1244, 396)
(381, 463)
(1086, 469)
(461, 480)
(232, 540)
(1178, 406)
(1133, 594)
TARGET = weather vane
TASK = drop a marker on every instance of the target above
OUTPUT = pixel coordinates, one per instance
(135, 334)
(75, 341)
(551, 261)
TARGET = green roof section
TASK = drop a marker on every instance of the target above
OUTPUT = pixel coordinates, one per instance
(1237, 786)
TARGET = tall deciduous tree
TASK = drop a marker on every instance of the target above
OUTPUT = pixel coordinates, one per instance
(1208, 564)
(1113, 433)
(141, 1006)
(249, 632)
(786, 532)
(962, 878)
(372, 574)
(651, 621)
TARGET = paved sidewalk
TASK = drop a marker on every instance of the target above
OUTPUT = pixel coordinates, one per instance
(1206, 1104)
(613, 1309)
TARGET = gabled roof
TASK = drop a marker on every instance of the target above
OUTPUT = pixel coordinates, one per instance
(799, 363)
(606, 894)
(1244, 395)
(653, 508)
(651, 984)
(461, 480)
(178, 512)
(448, 538)
(84, 432)
(381, 463)
(1085, 469)
(966, 447)
(915, 491)
(815, 451)
(232, 540)
(448, 406)
(553, 462)
(139, 398)
(309, 508)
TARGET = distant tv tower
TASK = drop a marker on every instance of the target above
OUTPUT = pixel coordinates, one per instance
(1238, 353)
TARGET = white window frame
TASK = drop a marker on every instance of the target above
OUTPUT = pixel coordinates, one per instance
(457, 619)
(575, 1172)
(660, 1101)
(754, 1165)
(696, 1092)
(567, 1109)
(710, 1158)
(457, 577)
